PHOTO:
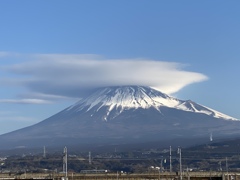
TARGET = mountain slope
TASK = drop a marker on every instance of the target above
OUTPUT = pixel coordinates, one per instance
(125, 114)
(128, 97)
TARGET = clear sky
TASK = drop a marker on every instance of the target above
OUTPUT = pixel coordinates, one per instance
(52, 52)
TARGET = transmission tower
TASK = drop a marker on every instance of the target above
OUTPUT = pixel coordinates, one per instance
(65, 161)
(89, 158)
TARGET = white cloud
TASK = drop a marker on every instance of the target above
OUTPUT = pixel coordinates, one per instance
(61, 75)
(25, 101)
(50, 97)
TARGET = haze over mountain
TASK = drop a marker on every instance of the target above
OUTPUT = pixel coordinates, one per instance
(122, 115)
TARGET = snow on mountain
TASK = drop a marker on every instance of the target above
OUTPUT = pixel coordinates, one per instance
(134, 97)
(126, 115)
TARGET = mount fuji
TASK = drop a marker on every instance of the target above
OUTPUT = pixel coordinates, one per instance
(125, 114)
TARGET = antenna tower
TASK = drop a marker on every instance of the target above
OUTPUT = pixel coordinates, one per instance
(44, 151)
(211, 137)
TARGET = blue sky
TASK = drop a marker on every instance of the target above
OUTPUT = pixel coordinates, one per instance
(53, 51)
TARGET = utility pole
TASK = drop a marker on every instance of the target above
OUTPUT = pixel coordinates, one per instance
(226, 164)
(227, 168)
(180, 162)
(170, 159)
(161, 168)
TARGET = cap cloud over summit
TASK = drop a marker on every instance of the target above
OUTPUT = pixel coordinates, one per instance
(73, 75)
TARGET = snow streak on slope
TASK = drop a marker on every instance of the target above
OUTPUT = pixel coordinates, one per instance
(128, 97)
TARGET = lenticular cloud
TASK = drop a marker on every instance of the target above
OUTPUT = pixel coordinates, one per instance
(72, 75)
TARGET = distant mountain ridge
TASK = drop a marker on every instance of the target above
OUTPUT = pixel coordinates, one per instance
(122, 115)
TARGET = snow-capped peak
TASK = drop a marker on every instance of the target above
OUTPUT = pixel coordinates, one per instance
(128, 97)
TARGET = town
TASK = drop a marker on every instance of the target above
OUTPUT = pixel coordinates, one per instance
(206, 161)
